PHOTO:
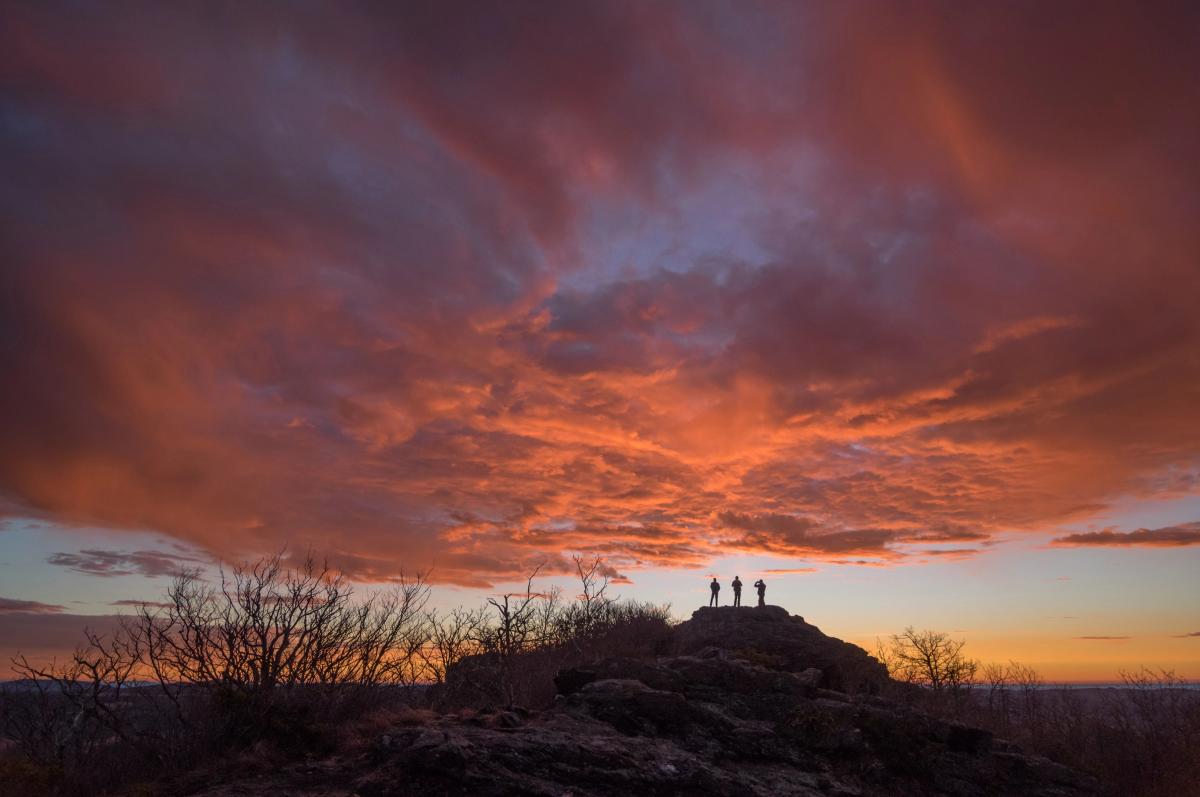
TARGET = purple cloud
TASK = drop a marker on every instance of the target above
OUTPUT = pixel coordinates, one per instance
(1165, 537)
(123, 563)
(133, 602)
(10, 605)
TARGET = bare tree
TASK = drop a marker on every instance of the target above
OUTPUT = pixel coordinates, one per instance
(227, 656)
(514, 632)
(452, 637)
(593, 582)
(1014, 696)
(996, 678)
(272, 650)
(932, 659)
(266, 626)
(88, 690)
(582, 621)
(515, 645)
(1028, 684)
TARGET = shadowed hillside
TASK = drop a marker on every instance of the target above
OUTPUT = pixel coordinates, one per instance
(750, 702)
(290, 683)
(770, 636)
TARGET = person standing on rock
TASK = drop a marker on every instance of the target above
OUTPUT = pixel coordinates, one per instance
(762, 592)
(716, 588)
(737, 591)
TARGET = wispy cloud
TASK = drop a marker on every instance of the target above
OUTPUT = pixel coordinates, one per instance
(1165, 537)
(1104, 638)
(140, 603)
(148, 563)
(8, 605)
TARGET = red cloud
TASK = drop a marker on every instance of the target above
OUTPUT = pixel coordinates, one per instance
(474, 289)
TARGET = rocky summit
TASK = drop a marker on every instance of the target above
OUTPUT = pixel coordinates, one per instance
(750, 701)
(770, 636)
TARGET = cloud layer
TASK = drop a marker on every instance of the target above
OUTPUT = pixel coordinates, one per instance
(1166, 537)
(11, 605)
(124, 563)
(475, 286)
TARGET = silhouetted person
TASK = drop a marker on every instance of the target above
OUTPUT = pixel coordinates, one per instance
(715, 587)
(762, 592)
(737, 591)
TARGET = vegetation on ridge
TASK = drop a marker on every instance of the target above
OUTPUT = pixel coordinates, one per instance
(275, 663)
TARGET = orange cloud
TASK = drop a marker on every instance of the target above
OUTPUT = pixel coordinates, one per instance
(472, 291)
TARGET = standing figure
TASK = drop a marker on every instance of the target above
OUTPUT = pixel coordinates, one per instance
(737, 591)
(762, 592)
(715, 587)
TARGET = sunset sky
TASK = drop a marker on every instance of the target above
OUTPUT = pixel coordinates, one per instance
(894, 305)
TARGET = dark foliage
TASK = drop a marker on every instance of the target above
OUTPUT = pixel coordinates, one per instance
(1141, 739)
(279, 660)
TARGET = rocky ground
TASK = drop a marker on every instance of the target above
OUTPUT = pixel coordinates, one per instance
(753, 702)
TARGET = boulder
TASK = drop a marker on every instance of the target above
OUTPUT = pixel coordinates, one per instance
(769, 636)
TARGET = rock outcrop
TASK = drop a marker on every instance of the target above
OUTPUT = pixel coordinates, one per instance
(747, 708)
(709, 724)
(768, 635)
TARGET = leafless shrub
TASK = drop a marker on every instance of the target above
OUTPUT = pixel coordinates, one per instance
(509, 652)
(267, 627)
(452, 637)
(1140, 739)
(1028, 685)
(514, 631)
(580, 621)
(271, 651)
(933, 660)
(1158, 716)
(995, 679)
(78, 707)
(1015, 700)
